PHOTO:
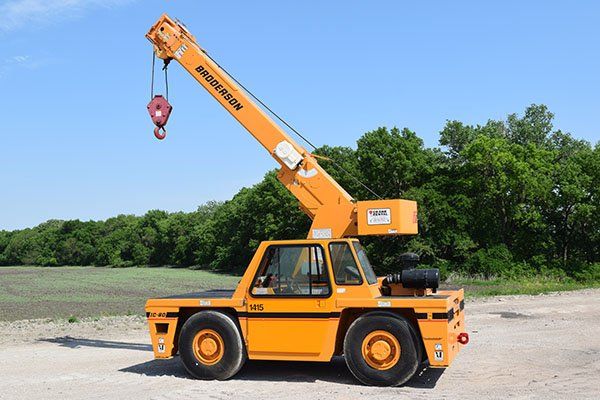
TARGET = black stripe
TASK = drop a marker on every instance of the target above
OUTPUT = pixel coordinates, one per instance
(447, 315)
(168, 315)
(439, 315)
(421, 315)
(462, 304)
(288, 315)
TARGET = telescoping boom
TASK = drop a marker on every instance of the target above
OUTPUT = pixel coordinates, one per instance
(334, 213)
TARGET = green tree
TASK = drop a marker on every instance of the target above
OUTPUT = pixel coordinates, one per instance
(503, 198)
(393, 161)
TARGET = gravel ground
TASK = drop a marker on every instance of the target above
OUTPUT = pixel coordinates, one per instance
(522, 347)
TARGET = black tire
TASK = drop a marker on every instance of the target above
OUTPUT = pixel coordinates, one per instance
(399, 327)
(234, 353)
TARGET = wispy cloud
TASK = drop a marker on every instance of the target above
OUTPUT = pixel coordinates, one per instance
(21, 61)
(18, 59)
(17, 14)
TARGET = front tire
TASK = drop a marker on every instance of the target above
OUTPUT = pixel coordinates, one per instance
(211, 346)
(380, 350)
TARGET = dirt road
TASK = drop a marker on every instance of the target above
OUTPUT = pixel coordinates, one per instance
(522, 347)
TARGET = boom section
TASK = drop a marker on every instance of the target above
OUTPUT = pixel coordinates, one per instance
(333, 211)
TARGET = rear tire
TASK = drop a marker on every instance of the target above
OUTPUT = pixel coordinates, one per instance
(380, 350)
(211, 346)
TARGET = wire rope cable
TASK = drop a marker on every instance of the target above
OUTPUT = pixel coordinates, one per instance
(283, 121)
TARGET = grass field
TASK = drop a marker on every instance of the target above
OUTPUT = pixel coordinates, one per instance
(537, 285)
(77, 292)
(64, 292)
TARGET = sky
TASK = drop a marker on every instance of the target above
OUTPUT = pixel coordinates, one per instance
(77, 143)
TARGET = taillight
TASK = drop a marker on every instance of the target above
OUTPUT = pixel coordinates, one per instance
(463, 338)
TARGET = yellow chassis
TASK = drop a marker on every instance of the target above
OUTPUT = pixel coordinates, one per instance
(308, 328)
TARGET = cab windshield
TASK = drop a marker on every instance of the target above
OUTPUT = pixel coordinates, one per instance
(365, 264)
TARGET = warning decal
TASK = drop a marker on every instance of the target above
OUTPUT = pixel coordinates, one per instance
(379, 216)
(324, 233)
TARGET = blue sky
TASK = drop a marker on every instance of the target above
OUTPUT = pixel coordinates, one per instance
(74, 79)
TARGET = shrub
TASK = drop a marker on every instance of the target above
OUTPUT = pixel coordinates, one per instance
(496, 261)
(588, 273)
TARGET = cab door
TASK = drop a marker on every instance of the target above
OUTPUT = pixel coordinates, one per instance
(289, 308)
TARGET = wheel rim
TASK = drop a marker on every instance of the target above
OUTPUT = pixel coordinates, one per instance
(208, 347)
(381, 350)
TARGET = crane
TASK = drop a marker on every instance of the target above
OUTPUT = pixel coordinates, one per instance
(309, 299)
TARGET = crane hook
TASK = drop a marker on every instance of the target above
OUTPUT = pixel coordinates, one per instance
(160, 110)
(160, 136)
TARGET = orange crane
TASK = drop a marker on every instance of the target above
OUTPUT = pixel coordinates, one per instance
(304, 299)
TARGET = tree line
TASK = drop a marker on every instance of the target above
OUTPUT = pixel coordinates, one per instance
(508, 198)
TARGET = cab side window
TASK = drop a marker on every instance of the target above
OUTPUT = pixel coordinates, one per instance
(292, 271)
(344, 266)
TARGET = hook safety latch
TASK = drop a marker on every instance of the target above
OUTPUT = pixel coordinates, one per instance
(160, 110)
